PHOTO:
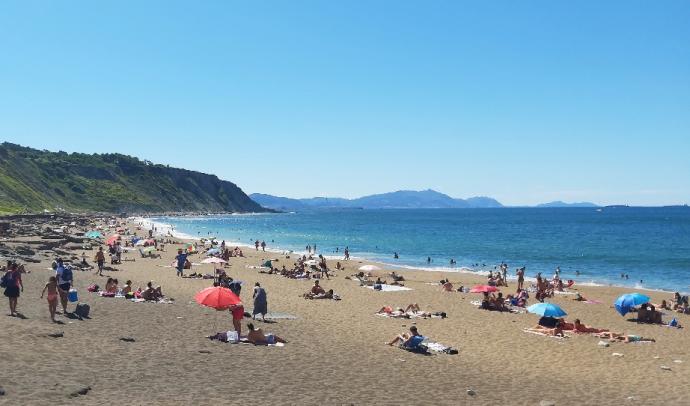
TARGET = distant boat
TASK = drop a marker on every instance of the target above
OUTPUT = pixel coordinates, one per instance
(600, 210)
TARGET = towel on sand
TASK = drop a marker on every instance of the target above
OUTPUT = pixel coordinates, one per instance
(389, 288)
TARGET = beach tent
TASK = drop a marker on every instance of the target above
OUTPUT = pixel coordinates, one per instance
(190, 247)
(625, 303)
(546, 309)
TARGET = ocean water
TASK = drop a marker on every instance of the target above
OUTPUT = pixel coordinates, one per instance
(650, 245)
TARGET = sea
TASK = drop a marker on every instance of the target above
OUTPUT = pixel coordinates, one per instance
(640, 248)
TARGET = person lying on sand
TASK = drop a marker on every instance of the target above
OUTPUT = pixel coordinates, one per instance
(325, 295)
(556, 331)
(578, 327)
(257, 336)
(626, 338)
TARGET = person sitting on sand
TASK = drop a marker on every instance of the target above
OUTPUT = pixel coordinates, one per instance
(626, 338)
(127, 289)
(447, 286)
(579, 297)
(110, 286)
(151, 293)
(317, 289)
(257, 336)
(405, 339)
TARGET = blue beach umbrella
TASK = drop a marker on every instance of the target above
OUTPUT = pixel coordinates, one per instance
(546, 309)
(626, 302)
(94, 234)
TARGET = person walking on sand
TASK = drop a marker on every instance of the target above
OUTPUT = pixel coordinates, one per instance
(263, 246)
(520, 277)
(12, 282)
(100, 260)
(260, 302)
(65, 278)
(52, 288)
(256, 244)
(181, 261)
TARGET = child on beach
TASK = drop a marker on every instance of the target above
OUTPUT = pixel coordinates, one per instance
(51, 287)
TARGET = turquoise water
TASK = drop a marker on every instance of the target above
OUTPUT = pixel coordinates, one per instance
(651, 245)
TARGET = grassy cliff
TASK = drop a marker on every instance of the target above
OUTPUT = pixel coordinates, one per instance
(33, 181)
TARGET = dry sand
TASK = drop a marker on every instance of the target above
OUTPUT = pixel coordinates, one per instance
(335, 353)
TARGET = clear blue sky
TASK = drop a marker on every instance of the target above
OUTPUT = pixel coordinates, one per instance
(524, 101)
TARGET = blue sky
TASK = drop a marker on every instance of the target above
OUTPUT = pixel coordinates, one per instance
(523, 101)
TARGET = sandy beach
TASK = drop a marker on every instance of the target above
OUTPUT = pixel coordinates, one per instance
(335, 352)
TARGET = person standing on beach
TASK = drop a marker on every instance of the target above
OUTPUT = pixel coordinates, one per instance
(347, 253)
(237, 312)
(181, 261)
(52, 288)
(263, 246)
(520, 277)
(64, 279)
(260, 302)
(100, 260)
(12, 282)
(256, 244)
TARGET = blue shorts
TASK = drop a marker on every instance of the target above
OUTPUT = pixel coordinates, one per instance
(270, 338)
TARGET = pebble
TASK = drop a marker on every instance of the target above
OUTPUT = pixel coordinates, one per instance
(603, 344)
(617, 354)
(58, 334)
(677, 361)
(204, 351)
(127, 339)
(471, 392)
(81, 391)
(665, 368)
(547, 403)
(2, 391)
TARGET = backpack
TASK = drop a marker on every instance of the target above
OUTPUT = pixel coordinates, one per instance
(82, 310)
(6, 280)
(67, 274)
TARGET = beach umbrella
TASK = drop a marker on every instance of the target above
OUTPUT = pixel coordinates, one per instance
(213, 251)
(93, 234)
(190, 247)
(140, 243)
(112, 239)
(546, 309)
(217, 297)
(369, 268)
(213, 260)
(148, 249)
(483, 289)
(625, 303)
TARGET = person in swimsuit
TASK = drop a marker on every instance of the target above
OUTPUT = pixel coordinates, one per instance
(100, 260)
(626, 338)
(258, 337)
(13, 283)
(52, 289)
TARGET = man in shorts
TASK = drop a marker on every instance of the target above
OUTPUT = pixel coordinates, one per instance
(181, 261)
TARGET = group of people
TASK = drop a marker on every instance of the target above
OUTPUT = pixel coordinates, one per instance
(318, 292)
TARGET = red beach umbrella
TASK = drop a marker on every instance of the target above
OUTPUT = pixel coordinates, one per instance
(217, 298)
(483, 289)
(112, 239)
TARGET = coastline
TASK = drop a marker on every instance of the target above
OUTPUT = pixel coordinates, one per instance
(154, 220)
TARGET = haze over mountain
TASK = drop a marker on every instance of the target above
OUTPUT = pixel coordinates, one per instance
(402, 199)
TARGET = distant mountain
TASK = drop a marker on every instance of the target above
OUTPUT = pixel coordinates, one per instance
(559, 203)
(402, 199)
(32, 181)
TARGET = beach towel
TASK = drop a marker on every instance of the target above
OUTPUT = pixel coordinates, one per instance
(260, 302)
(389, 288)
(593, 302)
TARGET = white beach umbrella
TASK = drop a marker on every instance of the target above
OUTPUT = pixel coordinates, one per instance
(369, 268)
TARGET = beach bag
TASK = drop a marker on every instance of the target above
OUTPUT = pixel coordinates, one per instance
(93, 288)
(4, 281)
(67, 275)
(232, 336)
(82, 310)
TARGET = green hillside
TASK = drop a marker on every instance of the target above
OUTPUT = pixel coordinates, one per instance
(33, 181)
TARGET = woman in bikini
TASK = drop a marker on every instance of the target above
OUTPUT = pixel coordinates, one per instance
(52, 289)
